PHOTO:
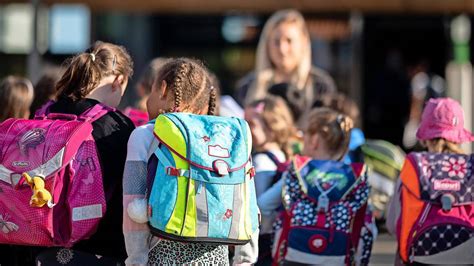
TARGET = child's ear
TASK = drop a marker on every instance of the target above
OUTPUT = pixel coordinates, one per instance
(163, 89)
(314, 142)
(118, 81)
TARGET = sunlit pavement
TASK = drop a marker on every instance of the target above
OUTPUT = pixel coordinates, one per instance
(383, 251)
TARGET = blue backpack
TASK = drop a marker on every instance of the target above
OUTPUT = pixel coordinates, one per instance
(200, 180)
(325, 211)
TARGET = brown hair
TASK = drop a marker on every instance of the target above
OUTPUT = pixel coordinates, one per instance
(277, 118)
(441, 145)
(45, 87)
(85, 70)
(341, 103)
(16, 95)
(151, 73)
(333, 127)
(190, 84)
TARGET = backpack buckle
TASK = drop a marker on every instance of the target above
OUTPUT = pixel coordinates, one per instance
(251, 172)
(221, 167)
(172, 171)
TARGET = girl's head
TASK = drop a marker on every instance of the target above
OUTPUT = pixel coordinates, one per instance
(285, 44)
(101, 73)
(327, 134)
(144, 84)
(442, 126)
(182, 85)
(16, 96)
(271, 121)
(45, 87)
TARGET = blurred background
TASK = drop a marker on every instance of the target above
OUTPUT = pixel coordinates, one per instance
(371, 48)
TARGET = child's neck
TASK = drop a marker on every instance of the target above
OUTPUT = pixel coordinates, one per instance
(320, 154)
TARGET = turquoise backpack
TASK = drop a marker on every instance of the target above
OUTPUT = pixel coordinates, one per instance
(200, 180)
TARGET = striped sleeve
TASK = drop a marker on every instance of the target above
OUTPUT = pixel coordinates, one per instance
(137, 235)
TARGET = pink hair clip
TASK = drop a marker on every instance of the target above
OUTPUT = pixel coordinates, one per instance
(260, 107)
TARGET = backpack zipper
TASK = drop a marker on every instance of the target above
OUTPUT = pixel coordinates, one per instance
(420, 222)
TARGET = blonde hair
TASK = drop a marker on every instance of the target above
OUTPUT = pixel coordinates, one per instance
(16, 96)
(264, 66)
(277, 117)
(441, 145)
(334, 129)
(85, 70)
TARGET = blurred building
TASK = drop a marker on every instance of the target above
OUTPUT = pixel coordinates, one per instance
(369, 46)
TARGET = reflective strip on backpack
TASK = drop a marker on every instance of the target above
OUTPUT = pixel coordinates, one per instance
(189, 228)
(202, 214)
(236, 217)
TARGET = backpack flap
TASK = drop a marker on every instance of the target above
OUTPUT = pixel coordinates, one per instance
(38, 147)
(444, 179)
(326, 180)
(218, 149)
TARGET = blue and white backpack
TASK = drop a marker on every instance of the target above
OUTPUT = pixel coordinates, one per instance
(325, 213)
(200, 180)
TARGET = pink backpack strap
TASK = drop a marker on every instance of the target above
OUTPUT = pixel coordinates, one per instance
(44, 110)
(96, 112)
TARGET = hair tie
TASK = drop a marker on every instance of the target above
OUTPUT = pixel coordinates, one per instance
(260, 107)
(114, 63)
(92, 55)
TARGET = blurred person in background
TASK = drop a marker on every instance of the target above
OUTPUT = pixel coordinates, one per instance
(424, 85)
(273, 134)
(283, 65)
(16, 96)
(138, 113)
(45, 88)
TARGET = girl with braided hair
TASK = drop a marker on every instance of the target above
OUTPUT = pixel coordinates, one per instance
(182, 85)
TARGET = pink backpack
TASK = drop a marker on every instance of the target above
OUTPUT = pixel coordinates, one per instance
(60, 199)
(436, 223)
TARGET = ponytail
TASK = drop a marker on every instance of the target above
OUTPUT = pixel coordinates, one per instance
(85, 71)
(334, 129)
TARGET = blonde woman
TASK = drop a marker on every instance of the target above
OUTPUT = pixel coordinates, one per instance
(283, 65)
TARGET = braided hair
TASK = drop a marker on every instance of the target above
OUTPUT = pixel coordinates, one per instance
(190, 86)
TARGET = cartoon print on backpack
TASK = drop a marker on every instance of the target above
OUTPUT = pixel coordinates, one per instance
(7, 226)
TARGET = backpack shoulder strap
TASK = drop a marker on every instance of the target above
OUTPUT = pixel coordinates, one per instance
(44, 110)
(272, 157)
(96, 112)
(358, 168)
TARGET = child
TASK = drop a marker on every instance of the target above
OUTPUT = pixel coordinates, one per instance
(183, 85)
(138, 113)
(431, 191)
(273, 132)
(45, 88)
(100, 75)
(16, 95)
(326, 142)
